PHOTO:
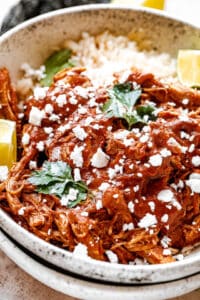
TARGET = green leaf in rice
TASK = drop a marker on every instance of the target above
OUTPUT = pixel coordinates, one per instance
(55, 63)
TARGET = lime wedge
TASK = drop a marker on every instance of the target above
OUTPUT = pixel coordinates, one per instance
(188, 67)
(8, 143)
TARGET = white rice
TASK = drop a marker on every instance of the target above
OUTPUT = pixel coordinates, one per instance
(106, 54)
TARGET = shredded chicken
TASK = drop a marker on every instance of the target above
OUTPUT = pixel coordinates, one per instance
(145, 205)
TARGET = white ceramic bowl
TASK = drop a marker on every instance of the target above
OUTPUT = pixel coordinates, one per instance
(87, 290)
(32, 42)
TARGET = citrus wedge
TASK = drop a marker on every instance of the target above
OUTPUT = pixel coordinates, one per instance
(8, 143)
(159, 4)
(188, 67)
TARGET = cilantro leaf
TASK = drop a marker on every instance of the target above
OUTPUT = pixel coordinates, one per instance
(121, 104)
(55, 178)
(55, 63)
(125, 94)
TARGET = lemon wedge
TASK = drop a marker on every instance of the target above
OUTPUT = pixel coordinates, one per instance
(8, 143)
(159, 4)
(188, 67)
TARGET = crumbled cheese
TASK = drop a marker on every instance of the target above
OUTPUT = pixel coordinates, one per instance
(152, 205)
(172, 142)
(121, 134)
(176, 204)
(63, 128)
(88, 121)
(48, 108)
(165, 241)
(73, 100)
(111, 173)
(127, 227)
(99, 204)
(32, 165)
(165, 152)
(183, 116)
(180, 184)
(115, 196)
(184, 135)
(179, 257)
(155, 160)
(167, 252)
(40, 92)
(191, 138)
(196, 161)
(40, 146)
(194, 182)
(183, 149)
(100, 159)
(113, 258)
(147, 165)
(77, 157)
(191, 148)
(3, 173)
(55, 155)
(79, 133)
(128, 142)
(96, 126)
(71, 196)
(144, 138)
(185, 101)
(77, 174)
(92, 102)
(131, 206)
(146, 129)
(48, 130)
(20, 115)
(147, 221)
(25, 139)
(118, 169)
(61, 100)
(165, 195)
(54, 117)
(164, 218)
(36, 115)
(81, 91)
(138, 261)
(84, 214)
(104, 186)
(81, 250)
(21, 211)
(136, 188)
(82, 110)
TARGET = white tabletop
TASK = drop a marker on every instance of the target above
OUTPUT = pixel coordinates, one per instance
(15, 284)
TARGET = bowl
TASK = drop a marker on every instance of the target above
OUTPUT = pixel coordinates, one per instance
(32, 42)
(88, 290)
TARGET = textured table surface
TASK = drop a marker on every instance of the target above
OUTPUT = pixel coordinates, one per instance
(15, 284)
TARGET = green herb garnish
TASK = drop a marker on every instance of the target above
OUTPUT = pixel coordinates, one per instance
(55, 63)
(55, 178)
(123, 98)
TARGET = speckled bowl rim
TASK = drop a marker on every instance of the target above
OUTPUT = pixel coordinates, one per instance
(11, 227)
(89, 290)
